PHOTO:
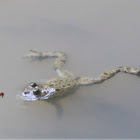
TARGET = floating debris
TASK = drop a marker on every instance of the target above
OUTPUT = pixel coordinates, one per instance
(2, 94)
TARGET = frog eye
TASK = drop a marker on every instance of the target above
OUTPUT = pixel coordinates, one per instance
(33, 84)
(36, 91)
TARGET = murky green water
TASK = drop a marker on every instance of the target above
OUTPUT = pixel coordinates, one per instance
(96, 36)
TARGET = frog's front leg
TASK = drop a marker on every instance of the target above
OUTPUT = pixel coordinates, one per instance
(55, 102)
(59, 62)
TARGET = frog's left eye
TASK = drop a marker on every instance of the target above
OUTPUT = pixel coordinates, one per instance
(33, 84)
(36, 92)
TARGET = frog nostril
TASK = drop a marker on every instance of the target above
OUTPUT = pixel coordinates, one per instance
(26, 92)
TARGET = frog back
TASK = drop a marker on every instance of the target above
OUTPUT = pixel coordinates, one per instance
(60, 86)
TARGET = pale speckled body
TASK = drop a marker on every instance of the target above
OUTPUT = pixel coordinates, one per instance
(62, 85)
(53, 88)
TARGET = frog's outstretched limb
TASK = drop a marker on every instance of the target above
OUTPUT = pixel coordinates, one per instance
(57, 87)
(108, 75)
(59, 62)
(61, 59)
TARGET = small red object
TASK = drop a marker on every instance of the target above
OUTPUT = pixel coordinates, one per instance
(2, 94)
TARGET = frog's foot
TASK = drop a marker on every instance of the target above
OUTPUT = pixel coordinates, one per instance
(33, 54)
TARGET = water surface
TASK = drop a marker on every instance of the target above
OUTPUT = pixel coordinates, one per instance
(96, 36)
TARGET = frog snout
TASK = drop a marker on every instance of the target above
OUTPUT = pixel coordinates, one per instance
(26, 92)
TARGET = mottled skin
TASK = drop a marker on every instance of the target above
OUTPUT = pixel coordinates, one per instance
(50, 89)
(66, 81)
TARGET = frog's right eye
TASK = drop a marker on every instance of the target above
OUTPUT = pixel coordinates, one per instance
(33, 84)
(36, 91)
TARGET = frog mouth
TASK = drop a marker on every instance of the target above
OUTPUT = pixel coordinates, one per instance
(29, 96)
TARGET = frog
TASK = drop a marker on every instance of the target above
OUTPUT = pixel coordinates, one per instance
(66, 81)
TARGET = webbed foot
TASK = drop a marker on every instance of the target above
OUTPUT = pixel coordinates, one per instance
(34, 55)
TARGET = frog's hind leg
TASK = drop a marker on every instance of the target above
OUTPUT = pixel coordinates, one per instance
(108, 75)
(59, 62)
